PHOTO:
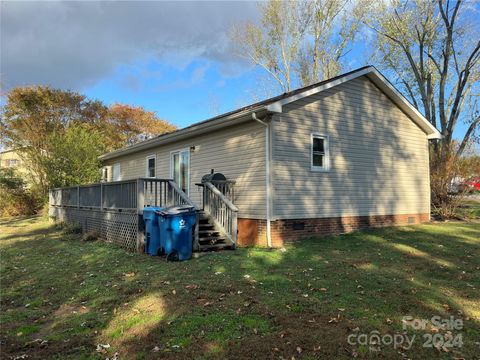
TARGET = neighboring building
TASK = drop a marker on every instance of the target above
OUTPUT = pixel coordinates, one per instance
(346, 153)
(11, 159)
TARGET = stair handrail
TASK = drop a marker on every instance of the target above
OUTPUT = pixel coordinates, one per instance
(182, 194)
(221, 196)
(221, 210)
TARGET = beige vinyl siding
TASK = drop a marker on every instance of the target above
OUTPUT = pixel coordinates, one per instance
(238, 152)
(378, 156)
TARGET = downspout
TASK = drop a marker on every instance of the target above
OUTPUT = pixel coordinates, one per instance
(267, 178)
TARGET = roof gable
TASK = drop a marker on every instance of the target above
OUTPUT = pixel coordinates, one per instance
(275, 105)
(380, 81)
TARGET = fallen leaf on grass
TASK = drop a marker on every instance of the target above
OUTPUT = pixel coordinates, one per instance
(317, 348)
(299, 349)
(102, 348)
(192, 287)
(333, 320)
(389, 321)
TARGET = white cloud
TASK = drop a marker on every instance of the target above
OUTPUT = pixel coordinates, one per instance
(75, 44)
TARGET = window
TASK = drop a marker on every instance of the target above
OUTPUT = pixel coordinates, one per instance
(116, 172)
(105, 174)
(320, 154)
(11, 162)
(151, 160)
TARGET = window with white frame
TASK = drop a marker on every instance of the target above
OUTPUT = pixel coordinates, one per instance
(116, 172)
(105, 174)
(151, 163)
(320, 152)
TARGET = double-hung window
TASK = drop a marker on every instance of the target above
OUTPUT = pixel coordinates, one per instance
(116, 175)
(151, 163)
(319, 153)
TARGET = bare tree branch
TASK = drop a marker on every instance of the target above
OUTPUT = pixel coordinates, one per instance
(470, 131)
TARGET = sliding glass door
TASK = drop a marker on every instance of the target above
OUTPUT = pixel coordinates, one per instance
(180, 168)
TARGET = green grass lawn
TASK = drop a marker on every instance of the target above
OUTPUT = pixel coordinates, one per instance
(61, 297)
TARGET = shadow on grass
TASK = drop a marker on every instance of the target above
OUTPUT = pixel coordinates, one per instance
(242, 304)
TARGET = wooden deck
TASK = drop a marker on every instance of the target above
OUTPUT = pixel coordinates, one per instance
(114, 210)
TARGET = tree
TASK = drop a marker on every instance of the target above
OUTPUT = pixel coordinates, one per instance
(299, 42)
(127, 125)
(59, 134)
(273, 45)
(32, 115)
(15, 197)
(73, 156)
(433, 48)
(332, 29)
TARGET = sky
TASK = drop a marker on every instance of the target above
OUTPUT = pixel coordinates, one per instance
(173, 58)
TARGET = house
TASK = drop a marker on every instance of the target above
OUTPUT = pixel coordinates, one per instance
(346, 153)
(9, 158)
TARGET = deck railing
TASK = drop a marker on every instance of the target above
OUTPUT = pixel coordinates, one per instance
(121, 195)
(226, 187)
(221, 210)
(115, 209)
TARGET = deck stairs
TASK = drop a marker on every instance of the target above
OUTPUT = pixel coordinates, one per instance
(210, 235)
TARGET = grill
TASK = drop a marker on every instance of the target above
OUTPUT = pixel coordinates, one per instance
(213, 177)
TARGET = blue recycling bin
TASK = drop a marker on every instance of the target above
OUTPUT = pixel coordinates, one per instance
(176, 231)
(153, 244)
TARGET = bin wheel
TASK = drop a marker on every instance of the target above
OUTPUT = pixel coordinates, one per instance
(173, 256)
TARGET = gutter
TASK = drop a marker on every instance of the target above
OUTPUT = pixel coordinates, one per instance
(181, 134)
(267, 178)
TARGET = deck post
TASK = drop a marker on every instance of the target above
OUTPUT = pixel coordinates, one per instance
(101, 197)
(235, 227)
(78, 197)
(140, 205)
(196, 243)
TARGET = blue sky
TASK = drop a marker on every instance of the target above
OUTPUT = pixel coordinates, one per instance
(174, 58)
(184, 95)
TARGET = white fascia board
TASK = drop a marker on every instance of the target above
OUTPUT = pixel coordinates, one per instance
(379, 80)
(323, 87)
(185, 133)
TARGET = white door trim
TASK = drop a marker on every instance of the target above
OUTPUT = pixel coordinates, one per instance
(179, 151)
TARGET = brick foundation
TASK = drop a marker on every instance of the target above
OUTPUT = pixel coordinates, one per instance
(252, 232)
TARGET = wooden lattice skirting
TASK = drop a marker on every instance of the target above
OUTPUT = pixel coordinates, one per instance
(121, 228)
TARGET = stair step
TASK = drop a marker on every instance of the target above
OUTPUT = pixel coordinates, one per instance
(208, 232)
(216, 247)
(206, 226)
(209, 238)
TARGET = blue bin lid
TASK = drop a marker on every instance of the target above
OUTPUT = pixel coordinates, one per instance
(175, 210)
(149, 211)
